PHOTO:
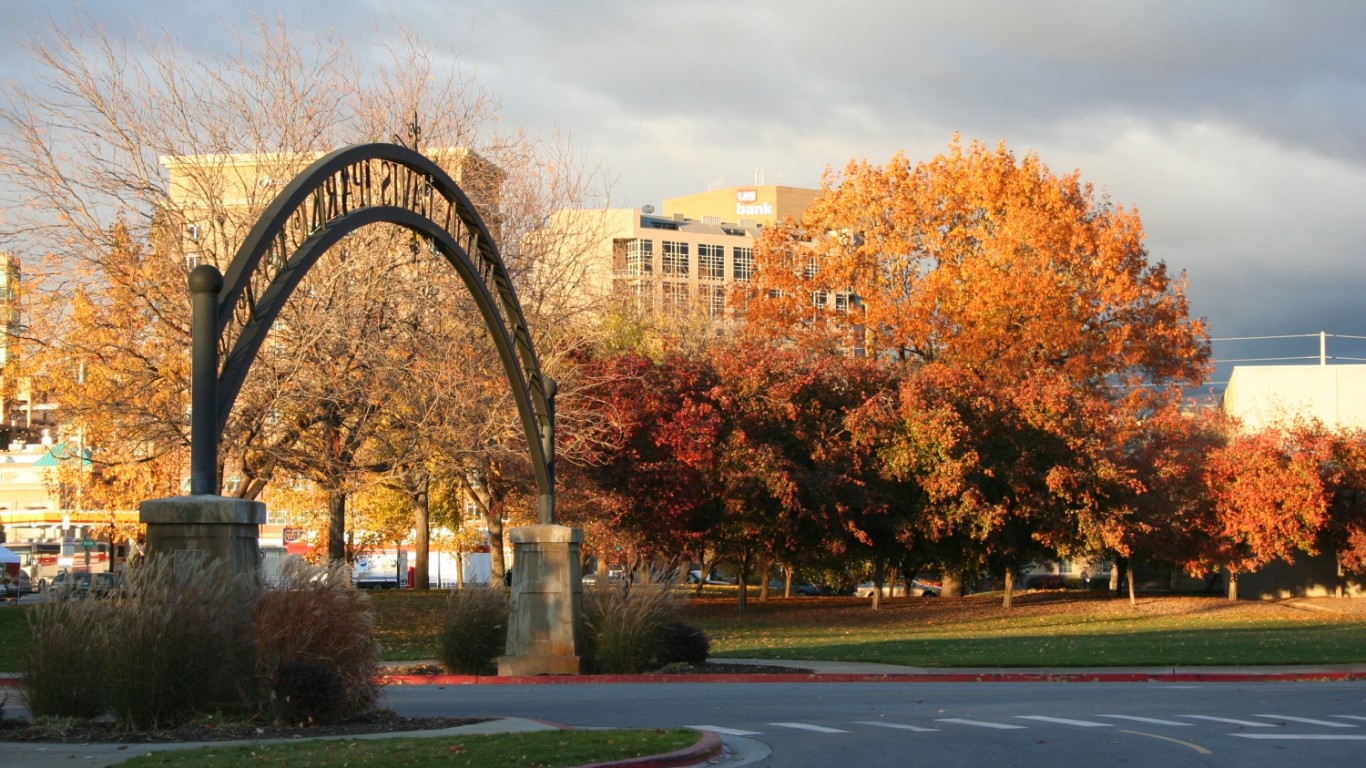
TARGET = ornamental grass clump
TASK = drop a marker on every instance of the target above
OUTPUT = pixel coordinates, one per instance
(316, 652)
(474, 633)
(627, 627)
(178, 643)
(63, 670)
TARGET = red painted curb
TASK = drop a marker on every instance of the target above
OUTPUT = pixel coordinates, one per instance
(706, 748)
(15, 681)
(929, 677)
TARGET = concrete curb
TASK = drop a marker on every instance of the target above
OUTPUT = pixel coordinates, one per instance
(973, 676)
(918, 677)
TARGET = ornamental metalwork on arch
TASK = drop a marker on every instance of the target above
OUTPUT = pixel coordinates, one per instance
(336, 195)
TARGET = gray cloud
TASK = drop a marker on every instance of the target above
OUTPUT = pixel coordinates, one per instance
(1233, 126)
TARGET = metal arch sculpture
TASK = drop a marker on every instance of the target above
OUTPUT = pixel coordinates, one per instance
(338, 194)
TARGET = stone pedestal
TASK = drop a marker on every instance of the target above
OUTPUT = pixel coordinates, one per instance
(217, 527)
(545, 622)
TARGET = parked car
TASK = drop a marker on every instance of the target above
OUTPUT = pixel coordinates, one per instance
(15, 588)
(106, 584)
(888, 590)
(805, 588)
(926, 588)
(695, 576)
(71, 584)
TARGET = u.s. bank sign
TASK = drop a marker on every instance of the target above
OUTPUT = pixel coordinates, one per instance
(747, 204)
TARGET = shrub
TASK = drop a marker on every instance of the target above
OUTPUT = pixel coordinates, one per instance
(623, 624)
(474, 633)
(315, 644)
(63, 668)
(188, 637)
(308, 692)
(179, 642)
(679, 642)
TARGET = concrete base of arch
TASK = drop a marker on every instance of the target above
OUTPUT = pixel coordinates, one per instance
(216, 527)
(545, 622)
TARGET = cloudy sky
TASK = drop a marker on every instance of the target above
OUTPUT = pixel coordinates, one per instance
(1237, 128)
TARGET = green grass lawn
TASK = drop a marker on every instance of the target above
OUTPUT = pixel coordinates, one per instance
(1043, 629)
(541, 749)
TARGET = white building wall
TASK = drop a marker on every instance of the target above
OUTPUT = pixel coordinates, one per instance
(1333, 394)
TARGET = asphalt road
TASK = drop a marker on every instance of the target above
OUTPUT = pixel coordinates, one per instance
(810, 725)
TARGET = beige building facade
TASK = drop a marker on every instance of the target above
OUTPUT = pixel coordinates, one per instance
(1265, 395)
(682, 262)
(214, 200)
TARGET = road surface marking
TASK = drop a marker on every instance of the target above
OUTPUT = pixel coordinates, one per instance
(1231, 721)
(897, 726)
(809, 727)
(979, 723)
(1195, 747)
(1303, 736)
(1311, 721)
(726, 731)
(1351, 717)
(1152, 720)
(1064, 721)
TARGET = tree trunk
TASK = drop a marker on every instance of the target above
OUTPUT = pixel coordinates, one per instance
(744, 563)
(1233, 585)
(422, 525)
(603, 572)
(497, 563)
(336, 526)
(764, 573)
(459, 569)
(787, 581)
(1118, 574)
(1133, 600)
(951, 584)
(1009, 582)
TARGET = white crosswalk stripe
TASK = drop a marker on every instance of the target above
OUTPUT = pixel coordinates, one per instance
(725, 731)
(1045, 720)
(979, 723)
(1310, 721)
(1231, 721)
(1301, 736)
(896, 726)
(1064, 721)
(809, 727)
(1149, 720)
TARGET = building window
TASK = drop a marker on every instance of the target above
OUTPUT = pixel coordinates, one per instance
(841, 303)
(811, 268)
(643, 295)
(675, 258)
(818, 299)
(716, 299)
(640, 257)
(675, 298)
(744, 263)
(711, 262)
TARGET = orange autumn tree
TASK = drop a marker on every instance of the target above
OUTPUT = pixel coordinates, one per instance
(998, 269)
(980, 259)
(1268, 501)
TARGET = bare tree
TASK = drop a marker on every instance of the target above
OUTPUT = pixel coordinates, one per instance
(127, 165)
